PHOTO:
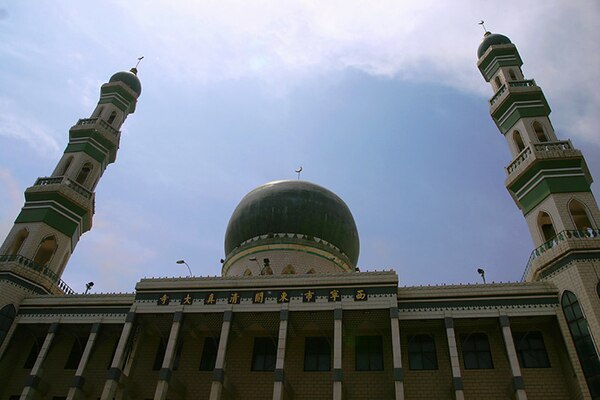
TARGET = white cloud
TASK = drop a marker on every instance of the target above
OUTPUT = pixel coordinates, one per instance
(19, 125)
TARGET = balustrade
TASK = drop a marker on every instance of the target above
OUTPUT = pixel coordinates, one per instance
(26, 262)
(586, 234)
(68, 182)
(98, 121)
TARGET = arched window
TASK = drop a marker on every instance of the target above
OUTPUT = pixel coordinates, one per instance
(546, 226)
(518, 141)
(498, 82)
(247, 272)
(7, 316)
(84, 173)
(512, 75)
(539, 132)
(66, 166)
(112, 117)
(45, 251)
(584, 345)
(99, 112)
(579, 215)
(18, 241)
(288, 270)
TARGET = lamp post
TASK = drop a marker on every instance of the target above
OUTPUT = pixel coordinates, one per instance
(186, 264)
(481, 272)
(260, 266)
(88, 286)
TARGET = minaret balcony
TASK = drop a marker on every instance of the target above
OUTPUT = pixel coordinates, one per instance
(99, 125)
(66, 187)
(539, 151)
(553, 254)
(28, 269)
(513, 87)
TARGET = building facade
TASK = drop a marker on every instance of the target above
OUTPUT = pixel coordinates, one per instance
(292, 317)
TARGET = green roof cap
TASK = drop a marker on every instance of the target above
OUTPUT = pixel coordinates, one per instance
(129, 78)
(294, 206)
(491, 39)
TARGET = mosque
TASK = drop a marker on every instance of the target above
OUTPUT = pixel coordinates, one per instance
(292, 317)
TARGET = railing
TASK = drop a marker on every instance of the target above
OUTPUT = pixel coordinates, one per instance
(26, 262)
(585, 234)
(538, 148)
(99, 121)
(553, 146)
(511, 84)
(525, 83)
(501, 90)
(523, 155)
(53, 180)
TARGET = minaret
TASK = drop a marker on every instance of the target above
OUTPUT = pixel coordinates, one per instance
(550, 182)
(59, 208)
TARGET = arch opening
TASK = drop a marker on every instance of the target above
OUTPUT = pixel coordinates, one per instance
(498, 82)
(66, 166)
(18, 241)
(112, 117)
(45, 251)
(7, 316)
(84, 173)
(512, 75)
(539, 132)
(546, 226)
(518, 140)
(579, 215)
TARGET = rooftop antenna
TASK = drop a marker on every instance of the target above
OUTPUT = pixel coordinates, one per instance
(298, 171)
(482, 23)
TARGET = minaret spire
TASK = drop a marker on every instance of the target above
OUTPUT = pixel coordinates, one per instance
(59, 208)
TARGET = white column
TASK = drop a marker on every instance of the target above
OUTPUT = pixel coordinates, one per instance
(454, 361)
(219, 373)
(78, 380)
(114, 373)
(167, 366)
(396, 354)
(33, 381)
(518, 384)
(337, 353)
(278, 386)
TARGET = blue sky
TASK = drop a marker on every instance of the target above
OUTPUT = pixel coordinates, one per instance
(381, 103)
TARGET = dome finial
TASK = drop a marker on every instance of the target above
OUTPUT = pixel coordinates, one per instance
(134, 69)
(485, 31)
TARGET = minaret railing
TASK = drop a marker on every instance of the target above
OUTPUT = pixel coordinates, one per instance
(26, 262)
(511, 84)
(541, 150)
(580, 235)
(100, 122)
(57, 180)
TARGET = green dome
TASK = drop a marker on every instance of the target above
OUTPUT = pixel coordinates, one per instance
(298, 207)
(129, 78)
(491, 39)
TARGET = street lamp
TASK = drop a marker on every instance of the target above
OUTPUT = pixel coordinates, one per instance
(88, 286)
(186, 264)
(481, 272)
(262, 267)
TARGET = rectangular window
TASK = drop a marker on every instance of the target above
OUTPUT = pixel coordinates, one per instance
(476, 351)
(75, 354)
(421, 353)
(317, 354)
(263, 356)
(369, 353)
(531, 349)
(160, 354)
(209, 354)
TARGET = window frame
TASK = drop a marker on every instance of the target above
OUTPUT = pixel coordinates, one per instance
(368, 349)
(318, 347)
(476, 347)
(416, 351)
(264, 354)
(529, 356)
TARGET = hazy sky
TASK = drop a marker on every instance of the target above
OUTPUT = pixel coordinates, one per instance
(380, 102)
